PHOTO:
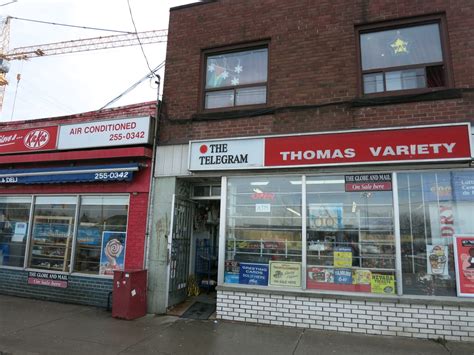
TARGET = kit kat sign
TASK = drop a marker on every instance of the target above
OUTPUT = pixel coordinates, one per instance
(393, 145)
(28, 140)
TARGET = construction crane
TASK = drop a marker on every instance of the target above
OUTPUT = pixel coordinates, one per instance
(66, 47)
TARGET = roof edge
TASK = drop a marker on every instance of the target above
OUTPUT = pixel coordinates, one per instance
(201, 2)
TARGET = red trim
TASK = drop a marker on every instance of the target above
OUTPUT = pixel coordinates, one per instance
(78, 155)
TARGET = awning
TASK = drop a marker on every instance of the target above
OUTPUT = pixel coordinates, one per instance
(96, 173)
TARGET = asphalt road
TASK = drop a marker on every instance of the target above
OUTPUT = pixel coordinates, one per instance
(39, 327)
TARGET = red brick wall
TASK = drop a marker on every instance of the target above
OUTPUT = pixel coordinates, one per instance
(312, 61)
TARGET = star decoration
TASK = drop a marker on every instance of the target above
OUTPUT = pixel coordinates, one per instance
(211, 67)
(238, 69)
(399, 46)
(235, 81)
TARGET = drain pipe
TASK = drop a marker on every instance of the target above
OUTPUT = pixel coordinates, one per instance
(151, 190)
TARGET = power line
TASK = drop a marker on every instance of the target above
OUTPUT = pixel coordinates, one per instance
(147, 76)
(68, 25)
(138, 38)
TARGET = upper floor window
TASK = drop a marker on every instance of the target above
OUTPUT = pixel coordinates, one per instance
(237, 78)
(402, 58)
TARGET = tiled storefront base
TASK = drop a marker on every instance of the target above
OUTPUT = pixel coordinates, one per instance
(430, 320)
(81, 290)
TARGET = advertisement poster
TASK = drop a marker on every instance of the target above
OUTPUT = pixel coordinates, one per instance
(437, 260)
(320, 274)
(47, 279)
(285, 273)
(253, 274)
(325, 216)
(361, 277)
(20, 231)
(382, 284)
(464, 261)
(342, 257)
(112, 256)
(343, 276)
(368, 182)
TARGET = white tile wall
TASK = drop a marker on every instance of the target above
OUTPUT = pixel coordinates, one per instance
(382, 318)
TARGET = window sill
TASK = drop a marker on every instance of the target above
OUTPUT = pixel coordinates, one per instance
(444, 94)
(232, 113)
(405, 299)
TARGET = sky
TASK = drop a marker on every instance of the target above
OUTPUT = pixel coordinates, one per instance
(79, 82)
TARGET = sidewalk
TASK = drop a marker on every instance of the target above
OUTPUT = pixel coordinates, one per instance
(38, 327)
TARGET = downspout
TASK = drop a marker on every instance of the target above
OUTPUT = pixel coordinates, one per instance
(151, 190)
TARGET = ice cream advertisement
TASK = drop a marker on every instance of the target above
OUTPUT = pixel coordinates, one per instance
(464, 261)
(112, 256)
(437, 260)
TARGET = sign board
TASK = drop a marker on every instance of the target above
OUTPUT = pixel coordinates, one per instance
(400, 145)
(125, 131)
(368, 182)
(40, 278)
(464, 261)
(285, 273)
(28, 140)
(384, 284)
(231, 154)
(253, 274)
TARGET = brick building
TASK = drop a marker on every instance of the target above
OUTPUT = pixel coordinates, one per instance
(326, 148)
(73, 202)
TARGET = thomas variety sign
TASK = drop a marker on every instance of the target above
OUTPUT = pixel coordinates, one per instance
(125, 131)
(401, 145)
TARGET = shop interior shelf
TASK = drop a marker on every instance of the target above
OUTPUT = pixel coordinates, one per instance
(46, 256)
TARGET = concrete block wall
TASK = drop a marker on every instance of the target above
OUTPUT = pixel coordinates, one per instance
(392, 317)
(91, 291)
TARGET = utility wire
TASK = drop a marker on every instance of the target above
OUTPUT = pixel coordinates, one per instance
(67, 25)
(138, 38)
(147, 76)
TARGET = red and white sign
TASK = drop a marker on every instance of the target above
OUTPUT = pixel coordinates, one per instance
(28, 140)
(464, 261)
(126, 131)
(392, 145)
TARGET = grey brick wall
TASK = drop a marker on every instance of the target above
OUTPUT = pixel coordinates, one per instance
(417, 320)
(81, 290)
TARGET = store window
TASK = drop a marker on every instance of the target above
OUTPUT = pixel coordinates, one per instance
(402, 58)
(101, 234)
(434, 206)
(237, 78)
(263, 231)
(14, 217)
(53, 228)
(350, 233)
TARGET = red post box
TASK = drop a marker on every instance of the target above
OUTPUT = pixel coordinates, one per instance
(129, 294)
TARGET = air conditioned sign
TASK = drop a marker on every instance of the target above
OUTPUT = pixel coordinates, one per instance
(28, 140)
(232, 154)
(393, 145)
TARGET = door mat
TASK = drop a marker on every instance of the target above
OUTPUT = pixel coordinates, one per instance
(199, 310)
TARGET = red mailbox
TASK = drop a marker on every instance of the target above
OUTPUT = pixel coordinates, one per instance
(129, 294)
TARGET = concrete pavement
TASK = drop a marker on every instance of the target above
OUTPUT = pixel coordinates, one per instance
(38, 327)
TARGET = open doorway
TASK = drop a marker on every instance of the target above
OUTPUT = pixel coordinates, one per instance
(200, 258)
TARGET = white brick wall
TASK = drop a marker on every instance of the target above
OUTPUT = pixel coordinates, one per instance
(382, 318)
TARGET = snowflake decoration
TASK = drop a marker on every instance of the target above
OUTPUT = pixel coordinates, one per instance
(238, 69)
(211, 68)
(225, 75)
(235, 81)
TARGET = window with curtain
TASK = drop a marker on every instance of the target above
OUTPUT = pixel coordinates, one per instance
(236, 78)
(402, 58)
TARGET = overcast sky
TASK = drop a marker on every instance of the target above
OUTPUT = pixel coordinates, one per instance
(72, 83)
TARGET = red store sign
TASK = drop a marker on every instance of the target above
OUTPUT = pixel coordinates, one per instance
(28, 140)
(376, 146)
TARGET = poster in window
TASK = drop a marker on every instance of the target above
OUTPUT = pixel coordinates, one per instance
(437, 260)
(380, 283)
(285, 273)
(464, 261)
(343, 276)
(253, 274)
(342, 257)
(112, 256)
(325, 216)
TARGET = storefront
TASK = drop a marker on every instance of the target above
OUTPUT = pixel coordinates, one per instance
(350, 231)
(73, 205)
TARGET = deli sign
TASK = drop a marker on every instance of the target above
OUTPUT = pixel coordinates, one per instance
(393, 145)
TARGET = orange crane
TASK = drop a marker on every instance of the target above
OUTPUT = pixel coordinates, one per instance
(66, 47)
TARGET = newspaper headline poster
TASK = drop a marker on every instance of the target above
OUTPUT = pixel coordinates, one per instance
(285, 273)
(464, 261)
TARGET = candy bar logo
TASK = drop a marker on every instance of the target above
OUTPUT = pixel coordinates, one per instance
(36, 139)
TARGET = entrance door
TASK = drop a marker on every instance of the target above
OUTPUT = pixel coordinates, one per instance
(180, 239)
